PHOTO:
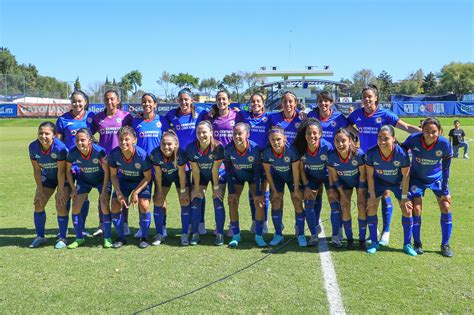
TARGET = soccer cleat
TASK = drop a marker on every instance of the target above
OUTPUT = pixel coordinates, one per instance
(446, 251)
(195, 239)
(184, 240)
(126, 229)
(78, 242)
(202, 229)
(313, 241)
(219, 240)
(98, 232)
(363, 245)
(336, 242)
(350, 244)
(260, 241)
(277, 239)
(118, 244)
(318, 229)
(143, 244)
(418, 248)
(108, 243)
(235, 240)
(467, 158)
(253, 226)
(138, 235)
(265, 227)
(38, 241)
(409, 250)
(373, 248)
(302, 241)
(384, 240)
(60, 244)
(340, 235)
(158, 240)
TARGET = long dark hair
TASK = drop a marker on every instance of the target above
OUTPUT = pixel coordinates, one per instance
(300, 141)
(371, 87)
(84, 95)
(172, 134)
(214, 111)
(353, 149)
(119, 106)
(214, 143)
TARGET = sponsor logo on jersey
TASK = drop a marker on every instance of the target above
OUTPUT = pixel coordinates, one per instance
(37, 156)
(354, 162)
(439, 153)
(396, 163)
(53, 155)
(138, 166)
(251, 159)
(286, 159)
(271, 160)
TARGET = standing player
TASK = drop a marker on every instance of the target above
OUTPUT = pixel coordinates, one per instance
(456, 135)
(48, 158)
(289, 118)
(388, 168)
(346, 168)
(368, 120)
(282, 166)
(431, 159)
(130, 174)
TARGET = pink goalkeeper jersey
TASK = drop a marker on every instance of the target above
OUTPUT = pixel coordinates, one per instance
(108, 128)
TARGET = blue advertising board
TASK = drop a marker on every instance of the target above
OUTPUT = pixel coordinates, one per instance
(8, 110)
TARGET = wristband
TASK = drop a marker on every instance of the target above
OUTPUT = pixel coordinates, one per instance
(182, 190)
(337, 184)
(216, 187)
(404, 196)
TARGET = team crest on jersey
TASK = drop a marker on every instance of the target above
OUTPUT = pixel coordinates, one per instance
(333, 123)
(324, 157)
(378, 120)
(251, 159)
(297, 125)
(232, 123)
(340, 173)
(414, 188)
(211, 156)
(53, 155)
(141, 134)
(89, 120)
(178, 127)
(119, 120)
(43, 178)
(264, 119)
(138, 166)
(286, 159)
(303, 159)
(102, 131)
(439, 153)
(158, 124)
(95, 161)
(73, 132)
(418, 159)
(354, 162)
(380, 172)
(396, 163)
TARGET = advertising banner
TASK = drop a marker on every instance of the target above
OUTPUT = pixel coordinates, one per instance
(8, 110)
(42, 110)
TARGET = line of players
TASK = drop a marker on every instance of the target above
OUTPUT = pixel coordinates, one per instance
(228, 148)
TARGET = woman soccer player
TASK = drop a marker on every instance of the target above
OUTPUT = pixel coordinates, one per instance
(242, 163)
(206, 156)
(48, 158)
(289, 118)
(130, 174)
(346, 168)
(313, 150)
(169, 163)
(90, 159)
(282, 166)
(431, 159)
(368, 121)
(388, 167)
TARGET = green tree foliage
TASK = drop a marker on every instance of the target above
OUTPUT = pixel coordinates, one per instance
(429, 84)
(234, 82)
(385, 86)
(208, 85)
(411, 85)
(361, 79)
(77, 84)
(164, 81)
(184, 80)
(131, 81)
(457, 78)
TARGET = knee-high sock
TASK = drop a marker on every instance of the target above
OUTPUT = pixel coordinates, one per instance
(310, 216)
(101, 215)
(145, 220)
(84, 213)
(362, 229)
(40, 222)
(77, 223)
(259, 227)
(336, 217)
(62, 224)
(277, 218)
(300, 223)
(124, 215)
(252, 206)
(107, 225)
(185, 218)
(235, 227)
(348, 229)
(372, 221)
(267, 204)
(219, 213)
(387, 210)
(318, 205)
(203, 210)
(158, 215)
(118, 224)
(446, 221)
(407, 224)
(196, 210)
(417, 229)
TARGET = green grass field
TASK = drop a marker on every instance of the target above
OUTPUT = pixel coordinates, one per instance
(95, 280)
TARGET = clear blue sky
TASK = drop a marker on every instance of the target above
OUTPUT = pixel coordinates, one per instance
(93, 39)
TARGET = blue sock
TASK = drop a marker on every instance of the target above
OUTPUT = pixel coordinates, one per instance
(267, 204)
(185, 219)
(219, 213)
(196, 210)
(259, 227)
(40, 222)
(124, 215)
(203, 210)
(407, 224)
(84, 213)
(277, 218)
(387, 209)
(372, 221)
(107, 224)
(446, 221)
(362, 229)
(348, 229)
(68, 205)
(310, 216)
(417, 229)
(164, 216)
(62, 224)
(300, 223)
(118, 224)
(101, 215)
(77, 222)
(145, 220)
(336, 217)
(318, 205)
(158, 215)
(252, 206)
(235, 227)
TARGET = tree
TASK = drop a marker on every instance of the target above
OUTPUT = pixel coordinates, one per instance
(457, 78)
(429, 84)
(77, 84)
(411, 85)
(233, 81)
(184, 80)
(252, 82)
(385, 86)
(208, 85)
(131, 81)
(361, 79)
(164, 81)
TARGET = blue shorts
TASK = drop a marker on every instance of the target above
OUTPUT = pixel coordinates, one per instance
(52, 183)
(127, 187)
(417, 188)
(204, 180)
(167, 181)
(280, 184)
(380, 188)
(315, 183)
(84, 187)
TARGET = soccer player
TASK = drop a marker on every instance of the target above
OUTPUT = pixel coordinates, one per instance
(368, 121)
(388, 168)
(456, 136)
(289, 118)
(282, 166)
(346, 168)
(314, 149)
(243, 164)
(130, 174)
(169, 163)
(90, 159)
(48, 158)
(206, 156)
(431, 159)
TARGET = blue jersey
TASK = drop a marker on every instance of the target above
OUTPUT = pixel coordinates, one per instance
(426, 160)
(131, 169)
(149, 132)
(48, 159)
(289, 125)
(68, 125)
(169, 171)
(281, 164)
(347, 170)
(330, 124)
(184, 126)
(243, 166)
(315, 163)
(258, 128)
(90, 166)
(369, 125)
(205, 159)
(387, 170)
